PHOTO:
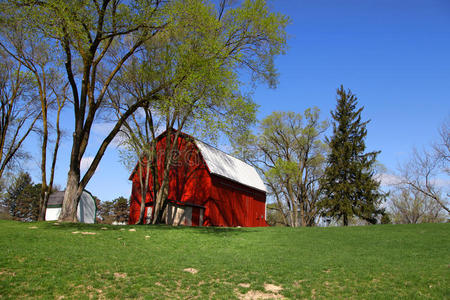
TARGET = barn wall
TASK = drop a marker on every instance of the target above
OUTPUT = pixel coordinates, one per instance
(233, 204)
(135, 202)
(189, 178)
(226, 202)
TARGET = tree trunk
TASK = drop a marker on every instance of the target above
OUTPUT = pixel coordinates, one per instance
(44, 188)
(143, 195)
(161, 197)
(345, 220)
(302, 215)
(71, 196)
(292, 199)
(144, 189)
(43, 206)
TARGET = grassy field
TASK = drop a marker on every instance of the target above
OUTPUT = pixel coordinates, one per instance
(68, 261)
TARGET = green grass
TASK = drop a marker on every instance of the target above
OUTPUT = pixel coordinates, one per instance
(373, 262)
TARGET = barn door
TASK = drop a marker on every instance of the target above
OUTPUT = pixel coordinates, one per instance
(195, 216)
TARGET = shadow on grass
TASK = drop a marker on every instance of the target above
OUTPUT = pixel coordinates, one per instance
(212, 230)
(224, 231)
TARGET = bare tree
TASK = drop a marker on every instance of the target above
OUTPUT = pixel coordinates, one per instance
(18, 110)
(409, 206)
(33, 52)
(442, 147)
(426, 170)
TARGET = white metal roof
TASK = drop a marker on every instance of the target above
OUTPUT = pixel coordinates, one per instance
(225, 165)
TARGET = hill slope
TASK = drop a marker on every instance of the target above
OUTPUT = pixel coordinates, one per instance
(383, 261)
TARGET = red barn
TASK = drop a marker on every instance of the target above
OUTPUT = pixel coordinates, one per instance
(207, 187)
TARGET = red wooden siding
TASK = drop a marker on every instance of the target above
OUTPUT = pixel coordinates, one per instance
(225, 202)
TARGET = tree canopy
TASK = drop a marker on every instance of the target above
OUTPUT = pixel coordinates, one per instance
(188, 53)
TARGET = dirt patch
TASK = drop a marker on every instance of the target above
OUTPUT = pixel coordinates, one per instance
(75, 232)
(191, 270)
(7, 273)
(88, 233)
(120, 275)
(56, 224)
(253, 295)
(272, 288)
(272, 292)
(33, 227)
(132, 229)
(104, 228)
(147, 237)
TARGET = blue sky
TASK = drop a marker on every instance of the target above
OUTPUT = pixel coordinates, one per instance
(394, 55)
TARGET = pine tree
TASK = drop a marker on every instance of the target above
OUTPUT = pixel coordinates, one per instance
(22, 198)
(349, 186)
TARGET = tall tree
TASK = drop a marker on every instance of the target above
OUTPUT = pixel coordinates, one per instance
(95, 39)
(19, 111)
(200, 58)
(291, 155)
(349, 184)
(35, 55)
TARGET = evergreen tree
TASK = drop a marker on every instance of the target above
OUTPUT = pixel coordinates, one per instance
(22, 198)
(349, 185)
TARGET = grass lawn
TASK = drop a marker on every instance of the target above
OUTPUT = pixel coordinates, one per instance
(44, 260)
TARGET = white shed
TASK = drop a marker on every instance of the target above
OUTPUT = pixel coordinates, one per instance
(86, 211)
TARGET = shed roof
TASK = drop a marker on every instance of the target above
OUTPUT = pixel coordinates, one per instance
(225, 165)
(55, 198)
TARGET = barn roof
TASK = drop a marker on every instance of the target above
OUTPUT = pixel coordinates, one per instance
(223, 164)
(230, 167)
